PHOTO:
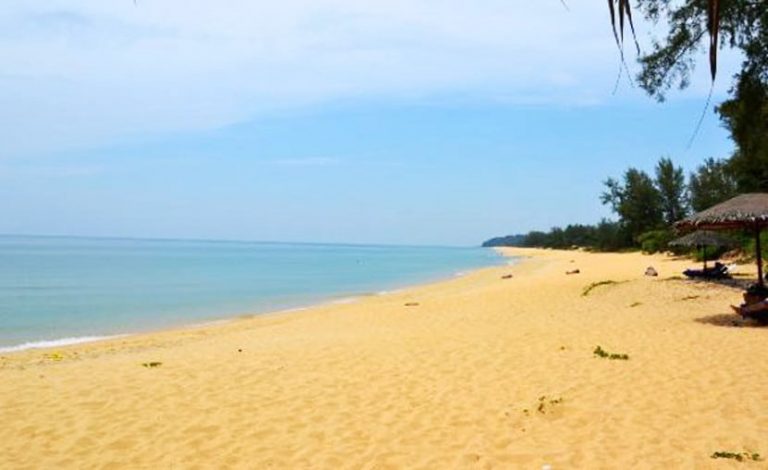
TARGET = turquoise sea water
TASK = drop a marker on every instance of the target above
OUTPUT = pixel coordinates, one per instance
(64, 290)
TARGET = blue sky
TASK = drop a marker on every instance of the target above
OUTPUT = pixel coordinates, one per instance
(417, 122)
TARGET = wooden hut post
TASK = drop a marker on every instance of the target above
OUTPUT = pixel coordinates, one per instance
(759, 254)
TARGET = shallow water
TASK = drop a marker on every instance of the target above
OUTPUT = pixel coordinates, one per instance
(69, 289)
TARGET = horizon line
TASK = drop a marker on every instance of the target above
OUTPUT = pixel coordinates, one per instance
(238, 241)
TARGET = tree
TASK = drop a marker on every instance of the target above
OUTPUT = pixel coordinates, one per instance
(637, 202)
(737, 24)
(670, 181)
(746, 117)
(711, 183)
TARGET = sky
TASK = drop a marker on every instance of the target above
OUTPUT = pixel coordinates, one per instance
(395, 122)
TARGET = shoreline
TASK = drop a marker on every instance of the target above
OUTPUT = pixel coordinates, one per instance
(472, 372)
(331, 299)
(48, 346)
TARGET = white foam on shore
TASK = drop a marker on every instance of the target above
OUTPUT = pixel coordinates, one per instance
(205, 324)
(55, 343)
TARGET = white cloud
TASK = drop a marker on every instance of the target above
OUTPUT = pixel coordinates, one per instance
(88, 72)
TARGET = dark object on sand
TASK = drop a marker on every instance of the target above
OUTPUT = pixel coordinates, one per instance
(755, 305)
(701, 239)
(651, 271)
(719, 271)
(507, 276)
(573, 271)
(746, 211)
(412, 304)
(152, 365)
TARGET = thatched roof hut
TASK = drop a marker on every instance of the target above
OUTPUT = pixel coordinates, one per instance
(703, 238)
(746, 211)
(743, 211)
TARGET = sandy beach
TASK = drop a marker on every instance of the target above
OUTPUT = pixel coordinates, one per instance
(475, 372)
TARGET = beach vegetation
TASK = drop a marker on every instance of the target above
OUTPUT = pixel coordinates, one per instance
(670, 182)
(594, 285)
(738, 456)
(710, 184)
(654, 241)
(602, 353)
(636, 201)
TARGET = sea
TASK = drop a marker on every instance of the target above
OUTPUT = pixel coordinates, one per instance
(66, 290)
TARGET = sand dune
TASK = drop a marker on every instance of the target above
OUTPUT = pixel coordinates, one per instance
(483, 373)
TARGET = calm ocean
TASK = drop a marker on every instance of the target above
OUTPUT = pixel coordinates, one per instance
(64, 290)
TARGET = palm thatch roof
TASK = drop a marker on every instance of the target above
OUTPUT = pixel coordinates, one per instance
(703, 238)
(743, 211)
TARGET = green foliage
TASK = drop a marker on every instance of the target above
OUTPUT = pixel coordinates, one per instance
(602, 353)
(743, 26)
(746, 117)
(605, 236)
(636, 201)
(711, 183)
(670, 182)
(509, 240)
(611, 236)
(748, 244)
(655, 241)
(711, 253)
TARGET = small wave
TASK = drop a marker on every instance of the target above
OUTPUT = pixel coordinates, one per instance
(205, 324)
(55, 343)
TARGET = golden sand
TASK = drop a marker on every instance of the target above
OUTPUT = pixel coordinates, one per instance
(484, 372)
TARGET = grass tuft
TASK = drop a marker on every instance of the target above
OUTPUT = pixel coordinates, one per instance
(592, 286)
(602, 353)
(738, 456)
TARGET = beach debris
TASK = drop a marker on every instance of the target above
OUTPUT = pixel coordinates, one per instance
(600, 352)
(573, 271)
(592, 286)
(690, 297)
(411, 304)
(635, 304)
(239, 350)
(546, 404)
(738, 456)
(55, 356)
(151, 365)
(651, 271)
(507, 276)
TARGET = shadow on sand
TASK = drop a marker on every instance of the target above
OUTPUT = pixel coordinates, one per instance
(729, 320)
